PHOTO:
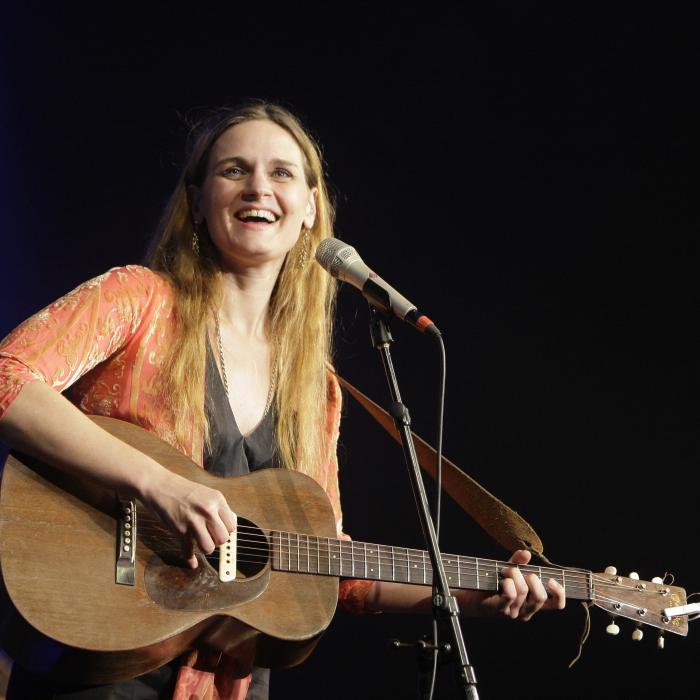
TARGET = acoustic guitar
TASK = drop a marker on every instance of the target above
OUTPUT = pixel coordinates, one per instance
(94, 588)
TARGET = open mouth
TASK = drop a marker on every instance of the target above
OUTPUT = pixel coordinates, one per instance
(262, 216)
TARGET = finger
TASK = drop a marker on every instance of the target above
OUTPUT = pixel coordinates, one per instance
(218, 531)
(558, 599)
(508, 596)
(229, 518)
(520, 556)
(536, 597)
(514, 575)
(189, 554)
(202, 538)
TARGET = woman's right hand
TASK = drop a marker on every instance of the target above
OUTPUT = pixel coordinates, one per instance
(43, 423)
(199, 515)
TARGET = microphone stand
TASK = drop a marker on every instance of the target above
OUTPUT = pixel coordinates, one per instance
(444, 603)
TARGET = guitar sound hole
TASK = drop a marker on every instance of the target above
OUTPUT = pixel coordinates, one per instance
(252, 554)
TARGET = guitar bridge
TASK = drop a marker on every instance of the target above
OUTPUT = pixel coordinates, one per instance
(125, 573)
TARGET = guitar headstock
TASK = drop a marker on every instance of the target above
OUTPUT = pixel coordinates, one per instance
(643, 602)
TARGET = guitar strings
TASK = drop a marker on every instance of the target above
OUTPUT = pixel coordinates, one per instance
(400, 559)
(463, 566)
(481, 575)
(471, 579)
(400, 554)
(250, 551)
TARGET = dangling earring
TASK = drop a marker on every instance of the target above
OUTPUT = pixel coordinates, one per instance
(195, 237)
(305, 248)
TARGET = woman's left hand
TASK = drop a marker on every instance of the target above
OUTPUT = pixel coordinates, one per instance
(519, 597)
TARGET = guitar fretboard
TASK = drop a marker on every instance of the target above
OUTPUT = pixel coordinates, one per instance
(333, 557)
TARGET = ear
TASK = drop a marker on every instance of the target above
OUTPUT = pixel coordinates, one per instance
(310, 216)
(193, 197)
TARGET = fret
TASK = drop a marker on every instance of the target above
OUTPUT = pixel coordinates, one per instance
(290, 552)
(393, 564)
(414, 573)
(288, 548)
(347, 563)
(275, 550)
(337, 557)
(424, 568)
(364, 556)
(373, 561)
(335, 562)
(302, 548)
(449, 564)
(323, 558)
(386, 553)
(491, 583)
(409, 566)
(311, 554)
(478, 585)
(400, 565)
(317, 558)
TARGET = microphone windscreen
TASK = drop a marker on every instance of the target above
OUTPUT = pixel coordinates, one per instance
(332, 255)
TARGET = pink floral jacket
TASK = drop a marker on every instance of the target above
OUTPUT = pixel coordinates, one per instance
(104, 344)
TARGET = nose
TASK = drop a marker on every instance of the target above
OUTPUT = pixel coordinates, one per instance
(257, 186)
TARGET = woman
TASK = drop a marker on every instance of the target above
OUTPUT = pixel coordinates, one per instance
(221, 348)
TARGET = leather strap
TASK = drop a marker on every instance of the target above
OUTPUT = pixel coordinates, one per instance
(508, 528)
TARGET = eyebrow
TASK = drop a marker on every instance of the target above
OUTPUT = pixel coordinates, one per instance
(239, 160)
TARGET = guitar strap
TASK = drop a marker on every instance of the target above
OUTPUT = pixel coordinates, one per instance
(508, 528)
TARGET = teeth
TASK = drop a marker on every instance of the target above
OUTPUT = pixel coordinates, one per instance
(258, 213)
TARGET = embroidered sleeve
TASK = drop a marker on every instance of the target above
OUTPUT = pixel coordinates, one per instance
(69, 337)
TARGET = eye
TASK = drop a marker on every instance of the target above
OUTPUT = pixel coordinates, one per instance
(233, 171)
(281, 173)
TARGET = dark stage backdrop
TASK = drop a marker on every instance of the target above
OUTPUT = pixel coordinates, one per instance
(527, 175)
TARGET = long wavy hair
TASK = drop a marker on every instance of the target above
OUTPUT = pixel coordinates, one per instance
(300, 319)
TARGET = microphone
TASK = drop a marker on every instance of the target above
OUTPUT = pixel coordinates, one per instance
(343, 262)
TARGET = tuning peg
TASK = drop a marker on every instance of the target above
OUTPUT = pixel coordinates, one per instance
(634, 575)
(660, 641)
(610, 570)
(657, 579)
(637, 635)
(612, 628)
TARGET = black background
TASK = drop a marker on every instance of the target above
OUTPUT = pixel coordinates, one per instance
(526, 174)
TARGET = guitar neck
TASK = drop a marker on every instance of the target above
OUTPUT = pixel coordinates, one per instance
(326, 556)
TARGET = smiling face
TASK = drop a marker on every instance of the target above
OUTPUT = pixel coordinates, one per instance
(254, 198)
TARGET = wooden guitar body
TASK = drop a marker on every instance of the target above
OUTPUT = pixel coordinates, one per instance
(63, 614)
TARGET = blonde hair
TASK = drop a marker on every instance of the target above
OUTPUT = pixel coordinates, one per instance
(301, 306)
